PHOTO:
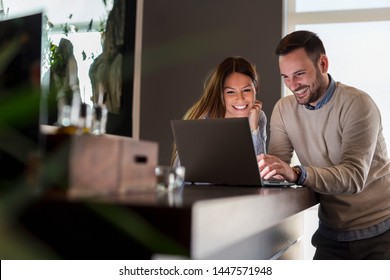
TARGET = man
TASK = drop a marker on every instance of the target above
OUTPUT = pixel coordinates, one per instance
(336, 132)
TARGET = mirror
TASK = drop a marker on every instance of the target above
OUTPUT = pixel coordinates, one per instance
(84, 52)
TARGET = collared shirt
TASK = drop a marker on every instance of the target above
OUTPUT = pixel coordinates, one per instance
(327, 97)
(352, 235)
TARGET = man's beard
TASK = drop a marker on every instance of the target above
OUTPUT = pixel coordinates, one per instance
(316, 94)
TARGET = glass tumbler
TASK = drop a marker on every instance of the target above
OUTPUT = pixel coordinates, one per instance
(168, 177)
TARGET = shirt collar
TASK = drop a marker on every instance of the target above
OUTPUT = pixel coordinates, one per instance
(327, 97)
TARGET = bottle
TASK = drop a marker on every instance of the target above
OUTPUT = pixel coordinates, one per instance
(85, 119)
(99, 119)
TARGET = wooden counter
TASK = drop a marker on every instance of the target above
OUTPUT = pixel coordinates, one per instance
(196, 222)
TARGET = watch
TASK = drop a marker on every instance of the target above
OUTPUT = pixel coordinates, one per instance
(297, 171)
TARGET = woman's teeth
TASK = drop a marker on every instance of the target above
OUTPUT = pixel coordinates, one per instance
(240, 107)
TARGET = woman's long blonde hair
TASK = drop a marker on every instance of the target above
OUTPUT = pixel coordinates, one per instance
(211, 104)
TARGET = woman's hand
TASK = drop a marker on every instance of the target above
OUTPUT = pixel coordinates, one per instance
(254, 115)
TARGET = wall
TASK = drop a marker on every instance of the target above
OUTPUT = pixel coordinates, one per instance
(184, 39)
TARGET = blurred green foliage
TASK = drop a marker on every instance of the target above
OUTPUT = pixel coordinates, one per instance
(49, 172)
(42, 172)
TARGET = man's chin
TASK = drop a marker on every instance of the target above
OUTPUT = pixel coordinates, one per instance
(301, 101)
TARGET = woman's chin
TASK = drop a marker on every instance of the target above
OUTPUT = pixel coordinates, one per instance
(242, 115)
(237, 115)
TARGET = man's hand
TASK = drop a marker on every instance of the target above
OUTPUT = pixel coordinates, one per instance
(271, 166)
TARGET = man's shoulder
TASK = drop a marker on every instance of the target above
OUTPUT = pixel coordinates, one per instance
(351, 93)
(348, 98)
(288, 101)
(344, 88)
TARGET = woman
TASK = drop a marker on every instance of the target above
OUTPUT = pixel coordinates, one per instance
(230, 92)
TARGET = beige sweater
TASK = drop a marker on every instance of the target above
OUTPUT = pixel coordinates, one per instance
(342, 147)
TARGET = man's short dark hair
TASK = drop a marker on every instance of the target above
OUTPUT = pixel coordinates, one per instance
(301, 39)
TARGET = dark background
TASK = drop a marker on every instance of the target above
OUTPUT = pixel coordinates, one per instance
(20, 49)
(184, 39)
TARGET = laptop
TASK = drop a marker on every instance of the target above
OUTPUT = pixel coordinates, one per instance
(219, 151)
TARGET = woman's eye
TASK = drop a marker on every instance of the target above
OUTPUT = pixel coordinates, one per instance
(229, 92)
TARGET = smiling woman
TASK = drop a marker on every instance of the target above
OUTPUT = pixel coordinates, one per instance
(230, 92)
(239, 94)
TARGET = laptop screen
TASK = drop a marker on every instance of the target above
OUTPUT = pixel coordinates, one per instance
(217, 151)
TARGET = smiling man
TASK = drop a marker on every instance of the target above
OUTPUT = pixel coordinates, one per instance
(336, 132)
(306, 80)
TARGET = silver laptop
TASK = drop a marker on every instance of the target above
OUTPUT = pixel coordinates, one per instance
(218, 151)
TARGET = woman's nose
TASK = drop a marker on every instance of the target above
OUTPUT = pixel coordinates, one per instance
(240, 96)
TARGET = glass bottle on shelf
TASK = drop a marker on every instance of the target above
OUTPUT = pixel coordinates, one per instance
(99, 119)
(85, 119)
(99, 114)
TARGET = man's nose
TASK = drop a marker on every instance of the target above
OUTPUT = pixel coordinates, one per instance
(292, 83)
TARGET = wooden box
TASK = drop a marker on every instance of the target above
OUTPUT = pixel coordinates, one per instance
(110, 164)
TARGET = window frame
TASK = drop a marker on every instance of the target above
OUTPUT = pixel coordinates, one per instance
(291, 19)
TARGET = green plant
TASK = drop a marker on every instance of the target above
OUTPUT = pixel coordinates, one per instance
(56, 59)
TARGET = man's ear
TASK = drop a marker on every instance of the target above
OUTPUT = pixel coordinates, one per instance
(324, 63)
